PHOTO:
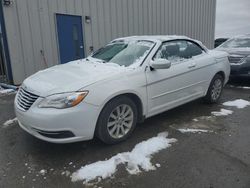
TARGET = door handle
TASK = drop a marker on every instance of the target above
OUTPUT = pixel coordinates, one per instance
(192, 65)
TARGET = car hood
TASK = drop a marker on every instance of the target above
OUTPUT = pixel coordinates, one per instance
(70, 77)
(236, 51)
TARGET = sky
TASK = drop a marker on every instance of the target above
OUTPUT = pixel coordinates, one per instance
(232, 18)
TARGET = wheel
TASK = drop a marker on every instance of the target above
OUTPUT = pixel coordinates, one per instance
(117, 120)
(214, 90)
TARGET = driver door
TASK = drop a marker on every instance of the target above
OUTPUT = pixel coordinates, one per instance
(168, 88)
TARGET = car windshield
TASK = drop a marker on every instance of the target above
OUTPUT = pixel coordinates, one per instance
(124, 53)
(237, 43)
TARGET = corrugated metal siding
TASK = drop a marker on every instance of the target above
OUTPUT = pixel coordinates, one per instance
(31, 25)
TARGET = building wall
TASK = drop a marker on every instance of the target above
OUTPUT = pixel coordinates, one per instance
(31, 26)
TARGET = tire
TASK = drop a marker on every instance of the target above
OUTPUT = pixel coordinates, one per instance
(214, 90)
(113, 128)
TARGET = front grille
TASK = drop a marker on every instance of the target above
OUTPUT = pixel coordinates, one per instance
(25, 99)
(235, 59)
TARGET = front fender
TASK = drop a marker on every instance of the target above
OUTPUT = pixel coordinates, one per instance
(102, 92)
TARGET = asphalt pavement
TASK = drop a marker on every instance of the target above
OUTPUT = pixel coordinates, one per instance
(217, 159)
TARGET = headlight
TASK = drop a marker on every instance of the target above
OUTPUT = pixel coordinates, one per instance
(64, 100)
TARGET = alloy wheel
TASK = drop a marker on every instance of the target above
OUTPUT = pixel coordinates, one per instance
(120, 121)
(216, 89)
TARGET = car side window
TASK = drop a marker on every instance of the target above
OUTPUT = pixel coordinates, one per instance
(178, 50)
(191, 50)
(169, 51)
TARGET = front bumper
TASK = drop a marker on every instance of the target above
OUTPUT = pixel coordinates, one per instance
(242, 69)
(59, 125)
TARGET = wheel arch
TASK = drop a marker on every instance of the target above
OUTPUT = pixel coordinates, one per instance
(135, 98)
(139, 105)
(221, 73)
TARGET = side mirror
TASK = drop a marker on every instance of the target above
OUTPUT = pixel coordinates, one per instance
(160, 64)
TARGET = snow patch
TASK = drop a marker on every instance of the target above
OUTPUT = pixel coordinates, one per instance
(138, 158)
(223, 112)
(6, 91)
(239, 103)
(158, 165)
(244, 87)
(43, 172)
(66, 173)
(239, 87)
(186, 130)
(9, 122)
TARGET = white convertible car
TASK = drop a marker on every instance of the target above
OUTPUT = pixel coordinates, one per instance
(106, 94)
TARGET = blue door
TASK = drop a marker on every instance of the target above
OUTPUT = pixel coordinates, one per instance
(70, 37)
